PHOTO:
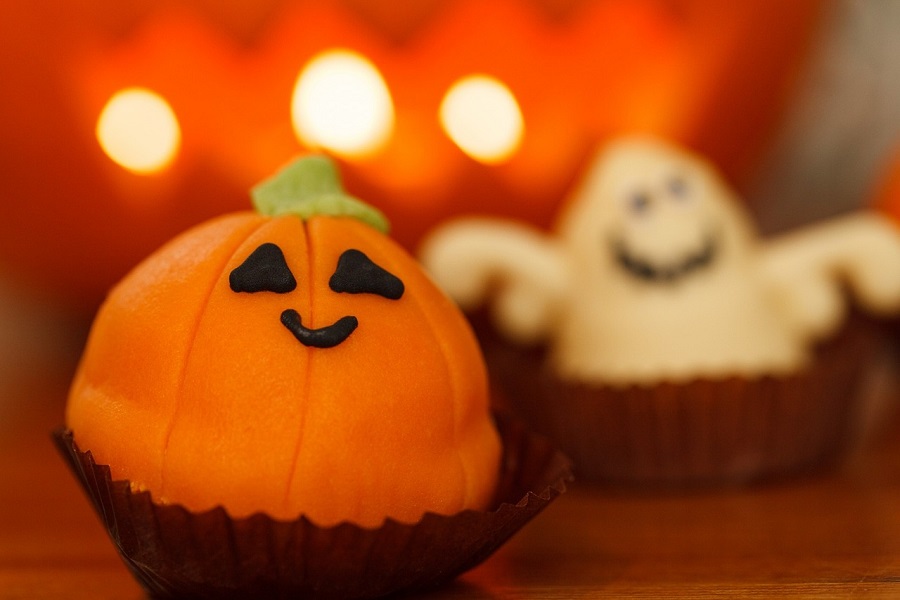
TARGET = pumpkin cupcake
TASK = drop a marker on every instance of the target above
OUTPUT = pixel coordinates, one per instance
(288, 386)
(670, 344)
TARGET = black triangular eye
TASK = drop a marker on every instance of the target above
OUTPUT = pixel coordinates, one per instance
(357, 274)
(265, 270)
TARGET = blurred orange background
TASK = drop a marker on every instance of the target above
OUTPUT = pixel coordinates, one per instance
(716, 76)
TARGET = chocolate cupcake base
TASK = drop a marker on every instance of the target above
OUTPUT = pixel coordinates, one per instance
(175, 553)
(703, 432)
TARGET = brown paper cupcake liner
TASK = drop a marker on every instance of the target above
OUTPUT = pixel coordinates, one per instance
(703, 432)
(176, 553)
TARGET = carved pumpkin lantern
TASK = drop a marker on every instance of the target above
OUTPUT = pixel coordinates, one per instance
(294, 362)
(233, 87)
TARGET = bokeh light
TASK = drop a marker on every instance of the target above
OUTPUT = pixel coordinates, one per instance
(341, 103)
(138, 130)
(482, 117)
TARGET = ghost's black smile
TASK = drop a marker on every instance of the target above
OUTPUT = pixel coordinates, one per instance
(266, 270)
(645, 270)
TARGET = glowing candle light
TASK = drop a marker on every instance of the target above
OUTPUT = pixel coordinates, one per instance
(139, 131)
(341, 103)
(482, 117)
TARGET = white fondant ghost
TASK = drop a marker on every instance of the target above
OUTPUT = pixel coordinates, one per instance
(655, 272)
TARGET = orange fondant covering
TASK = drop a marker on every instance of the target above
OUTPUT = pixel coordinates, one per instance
(200, 395)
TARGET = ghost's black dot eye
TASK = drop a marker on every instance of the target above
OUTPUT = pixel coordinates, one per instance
(638, 203)
(265, 270)
(357, 274)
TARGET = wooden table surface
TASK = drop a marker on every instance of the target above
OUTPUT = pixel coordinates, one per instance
(834, 535)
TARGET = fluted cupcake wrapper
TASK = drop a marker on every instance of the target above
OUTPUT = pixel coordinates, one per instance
(702, 432)
(176, 553)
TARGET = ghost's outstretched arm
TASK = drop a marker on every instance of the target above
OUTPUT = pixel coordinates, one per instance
(523, 271)
(813, 267)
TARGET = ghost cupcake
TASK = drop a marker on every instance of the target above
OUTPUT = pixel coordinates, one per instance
(277, 400)
(669, 343)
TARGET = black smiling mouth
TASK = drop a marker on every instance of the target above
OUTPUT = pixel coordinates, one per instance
(646, 271)
(323, 337)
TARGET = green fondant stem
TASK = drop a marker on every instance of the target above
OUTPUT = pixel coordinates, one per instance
(311, 186)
